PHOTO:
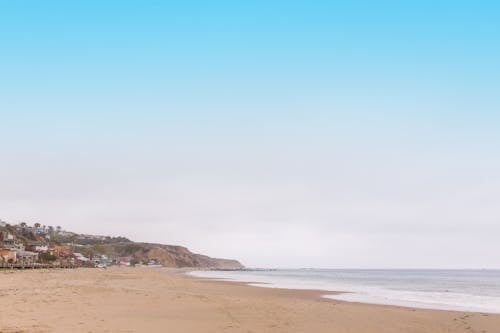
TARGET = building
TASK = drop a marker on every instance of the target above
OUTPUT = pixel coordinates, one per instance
(8, 256)
(27, 257)
(9, 242)
(37, 247)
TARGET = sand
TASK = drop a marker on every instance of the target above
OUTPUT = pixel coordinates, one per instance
(149, 300)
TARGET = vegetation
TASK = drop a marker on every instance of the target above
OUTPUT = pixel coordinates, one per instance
(46, 257)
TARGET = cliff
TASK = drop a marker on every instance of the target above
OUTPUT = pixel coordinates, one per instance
(166, 255)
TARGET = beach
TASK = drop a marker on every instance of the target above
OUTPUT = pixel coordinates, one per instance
(164, 300)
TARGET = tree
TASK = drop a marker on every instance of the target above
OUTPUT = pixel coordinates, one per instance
(47, 257)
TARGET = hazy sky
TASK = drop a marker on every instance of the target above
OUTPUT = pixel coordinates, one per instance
(280, 133)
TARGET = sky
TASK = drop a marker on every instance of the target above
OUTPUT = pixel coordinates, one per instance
(333, 134)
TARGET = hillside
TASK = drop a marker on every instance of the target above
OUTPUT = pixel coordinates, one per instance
(117, 249)
(165, 255)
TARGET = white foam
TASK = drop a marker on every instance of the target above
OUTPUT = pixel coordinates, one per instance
(424, 300)
(356, 292)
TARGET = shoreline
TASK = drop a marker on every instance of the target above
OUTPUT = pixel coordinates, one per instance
(325, 293)
(353, 295)
(158, 300)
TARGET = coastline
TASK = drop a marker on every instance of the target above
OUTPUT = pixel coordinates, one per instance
(156, 300)
(460, 291)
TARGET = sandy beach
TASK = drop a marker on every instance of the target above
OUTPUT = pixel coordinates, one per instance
(148, 300)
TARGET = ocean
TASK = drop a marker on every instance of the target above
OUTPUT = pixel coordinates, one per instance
(461, 290)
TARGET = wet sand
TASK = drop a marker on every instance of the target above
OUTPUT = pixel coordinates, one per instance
(161, 300)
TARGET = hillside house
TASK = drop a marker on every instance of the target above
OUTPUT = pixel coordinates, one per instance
(41, 230)
(12, 244)
(5, 235)
(37, 247)
(27, 257)
(8, 256)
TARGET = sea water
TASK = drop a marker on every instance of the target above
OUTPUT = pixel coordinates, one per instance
(461, 290)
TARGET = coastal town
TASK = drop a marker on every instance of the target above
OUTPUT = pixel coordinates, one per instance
(33, 245)
(40, 246)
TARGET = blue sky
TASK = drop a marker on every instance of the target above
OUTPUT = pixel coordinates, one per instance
(306, 111)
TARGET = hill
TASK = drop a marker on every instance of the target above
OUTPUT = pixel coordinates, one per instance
(58, 243)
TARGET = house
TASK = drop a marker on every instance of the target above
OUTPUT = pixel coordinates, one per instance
(65, 233)
(8, 256)
(41, 230)
(37, 247)
(10, 242)
(91, 237)
(41, 248)
(5, 235)
(27, 257)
